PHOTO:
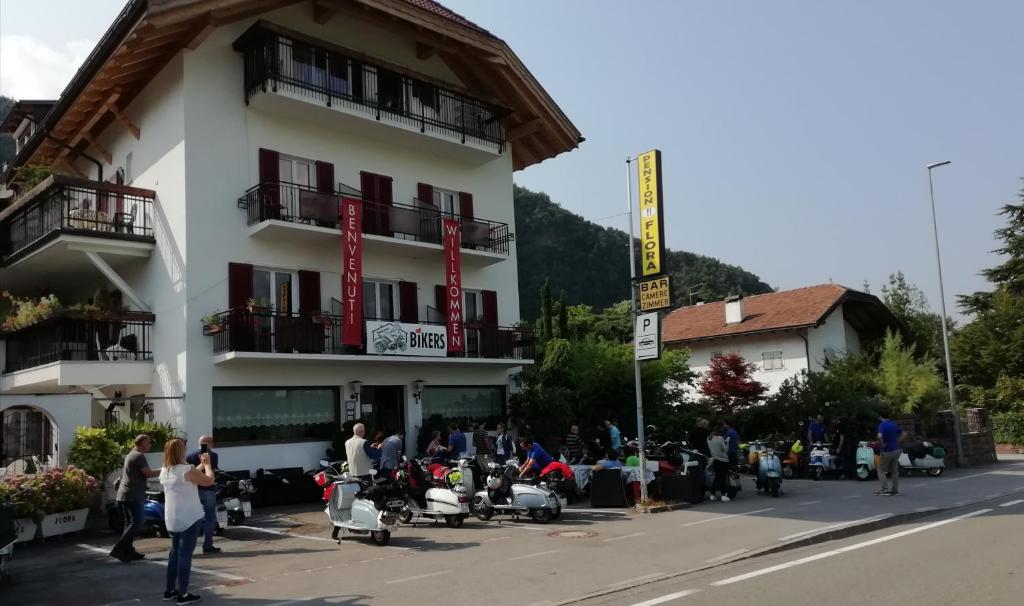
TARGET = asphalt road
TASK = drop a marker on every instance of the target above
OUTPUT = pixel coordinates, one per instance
(288, 557)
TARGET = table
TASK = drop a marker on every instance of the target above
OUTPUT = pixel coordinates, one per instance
(583, 473)
(96, 220)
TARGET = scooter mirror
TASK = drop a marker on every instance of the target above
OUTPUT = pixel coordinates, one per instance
(325, 463)
(373, 472)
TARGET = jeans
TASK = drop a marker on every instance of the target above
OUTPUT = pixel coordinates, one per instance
(209, 500)
(890, 464)
(179, 560)
(721, 482)
(132, 514)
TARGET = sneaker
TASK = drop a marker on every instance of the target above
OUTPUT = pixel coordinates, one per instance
(134, 555)
(882, 493)
(725, 499)
(188, 598)
(124, 557)
(894, 493)
(170, 595)
(211, 550)
(713, 498)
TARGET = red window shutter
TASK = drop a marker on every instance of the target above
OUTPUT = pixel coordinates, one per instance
(368, 185)
(239, 284)
(409, 311)
(384, 193)
(441, 300)
(270, 168)
(466, 205)
(425, 193)
(490, 307)
(270, 172)
(309, 292)
(324, 177)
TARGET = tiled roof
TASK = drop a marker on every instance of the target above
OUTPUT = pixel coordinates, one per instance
(446, 12)
(762, 313)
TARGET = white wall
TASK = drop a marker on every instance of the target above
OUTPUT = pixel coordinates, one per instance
(751, 348)
(68, 412)
(835, 333)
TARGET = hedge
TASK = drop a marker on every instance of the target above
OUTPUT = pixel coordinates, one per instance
(1008, 427)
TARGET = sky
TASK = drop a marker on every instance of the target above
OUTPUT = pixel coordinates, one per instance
(794, 134)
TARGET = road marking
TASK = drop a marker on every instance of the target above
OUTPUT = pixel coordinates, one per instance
(496, 539)
(809, 503)
(627, 582)
(732, 515)
(608, 512)
(1012, 503)
(959, 503)
(924, 509)
(668, 598)
(287, 602)
(541, 603)
(625, 536)
(534, 555)
(522, 527)
(856, 496)
(726, 556)
(835, 526)
(973, 475)
(282, 533)
(163, 563)
(418, 577)
(848, 548)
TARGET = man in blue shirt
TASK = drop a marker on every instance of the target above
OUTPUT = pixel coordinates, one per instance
(610, 461)
(456, 441)
(732, 441)
(207, 495)
(817, 431)
(536, 457)
(889, 437)
(614, 435)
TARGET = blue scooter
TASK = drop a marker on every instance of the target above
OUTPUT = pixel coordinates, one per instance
(769, 472)
(152, 515)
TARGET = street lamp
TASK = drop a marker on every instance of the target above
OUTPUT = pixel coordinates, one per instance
(945, 330)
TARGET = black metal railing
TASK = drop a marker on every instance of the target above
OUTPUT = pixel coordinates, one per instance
(419, 221)
(76, 206)
(279, 62)
(113, 337)
(262, 331)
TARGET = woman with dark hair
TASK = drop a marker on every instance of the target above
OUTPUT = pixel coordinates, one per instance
(183, 514)
(719, 462)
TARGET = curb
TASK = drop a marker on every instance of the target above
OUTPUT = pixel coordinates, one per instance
(813, 539)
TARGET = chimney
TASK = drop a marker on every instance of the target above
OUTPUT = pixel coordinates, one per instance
(734, 309)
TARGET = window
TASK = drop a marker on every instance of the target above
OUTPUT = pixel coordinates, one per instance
(716, 354)
(832, 355)
(464, 402)
(296, 170)
(274, 289)
(447, 201)
(772, 360)
(129, 176)
(380, 300)
(272, 414)
(474, 309)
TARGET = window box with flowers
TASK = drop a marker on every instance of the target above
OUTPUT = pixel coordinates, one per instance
(57, 500)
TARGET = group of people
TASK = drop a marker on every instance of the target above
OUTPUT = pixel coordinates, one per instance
(190, 506)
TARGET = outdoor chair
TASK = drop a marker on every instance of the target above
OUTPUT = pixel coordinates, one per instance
(607, 489)
(125, 222)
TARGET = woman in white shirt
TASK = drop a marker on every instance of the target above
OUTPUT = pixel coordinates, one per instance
(183, 514)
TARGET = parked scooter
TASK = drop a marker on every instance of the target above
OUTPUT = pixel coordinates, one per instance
(791, 464)
(505, 494)
(769, 472)
(733, 484)
(822, 461)
(865, 460)
(923, 456)
(357, 506)
(152, 515)
(234, 495)
(425, 500)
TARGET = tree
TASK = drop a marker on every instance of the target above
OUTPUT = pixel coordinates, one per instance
(563, 317)
(906, 384)
(993, 344)
(545, 307)
(1008, 275)
(921, 328)
(729, 384)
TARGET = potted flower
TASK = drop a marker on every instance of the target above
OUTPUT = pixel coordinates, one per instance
(19, 491)
(213, 324)
(64, 498)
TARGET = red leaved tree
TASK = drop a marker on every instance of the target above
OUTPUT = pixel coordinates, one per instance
(729, 385)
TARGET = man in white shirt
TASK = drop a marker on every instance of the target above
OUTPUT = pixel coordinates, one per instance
(361, 454)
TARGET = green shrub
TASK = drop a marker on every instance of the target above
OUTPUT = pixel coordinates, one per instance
(124, 433)
(95, 451)
(52, 492)
(1008, 427)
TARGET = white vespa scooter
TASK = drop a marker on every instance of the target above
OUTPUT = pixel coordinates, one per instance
(504, 494)
(822, 461)
(865, 461)
(427, 501)
(356, 506)
(933, 461)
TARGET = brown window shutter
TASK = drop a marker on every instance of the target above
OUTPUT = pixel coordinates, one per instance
(368, 185)
(384, 193)
(324, 177)
(425, 193)
(441, 300)
(490, 307)
(270, 169)
(309, 292)
(239, 284)
(466, 205)
(409, 307)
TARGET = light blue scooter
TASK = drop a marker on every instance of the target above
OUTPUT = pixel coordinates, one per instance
(769, 472)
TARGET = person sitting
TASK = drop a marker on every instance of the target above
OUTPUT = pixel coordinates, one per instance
(610, 461)
(536, 457)
(435, 450)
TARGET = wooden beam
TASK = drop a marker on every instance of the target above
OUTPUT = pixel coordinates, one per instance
(102, 151)
(251, 8)
(522, 129)
(87, 126)
(200, 36)
(70, 165)
(134, 130)
(424, 51)
(324, 12)
(128, 59)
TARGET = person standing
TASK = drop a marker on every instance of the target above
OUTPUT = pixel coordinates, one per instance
(131, 495)
(574, 445)
(183, 514)
(504, 447)
(614, 436)
(817, 431)
(698, 438)
(889, 434)
(481, 441)
(719, 462)
(391, 450)
(361, 454)
(732, 442)
(456, 442)
(207, 494)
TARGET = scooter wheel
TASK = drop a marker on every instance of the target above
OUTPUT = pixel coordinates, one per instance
(819, 473)
(788, 472)
(236, 519)
(481, 510)
(776, 488)
(334, 532)
(453, 521)
(863, 473)
(381, 537)
(405, 516)
(935, 472)
(542, 516)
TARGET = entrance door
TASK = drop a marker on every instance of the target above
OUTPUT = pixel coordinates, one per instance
(383, 409)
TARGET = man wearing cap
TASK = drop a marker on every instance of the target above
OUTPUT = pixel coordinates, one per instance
(207, 494)
(131, 494)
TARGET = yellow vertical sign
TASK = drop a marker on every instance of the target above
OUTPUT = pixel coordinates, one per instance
(652, 230)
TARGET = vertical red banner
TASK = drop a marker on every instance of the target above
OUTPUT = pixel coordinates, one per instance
(453, 283)
(352, 272)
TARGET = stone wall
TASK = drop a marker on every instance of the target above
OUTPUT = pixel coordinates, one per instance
(976, 434)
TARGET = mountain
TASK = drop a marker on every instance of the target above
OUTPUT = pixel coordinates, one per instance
(590, 263)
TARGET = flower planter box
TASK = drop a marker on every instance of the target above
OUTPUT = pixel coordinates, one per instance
(213, 329)
(64, 522)
(26, 529)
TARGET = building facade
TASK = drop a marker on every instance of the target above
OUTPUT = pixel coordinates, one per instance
(206, 152)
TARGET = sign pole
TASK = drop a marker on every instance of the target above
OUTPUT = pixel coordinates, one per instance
(636, 363)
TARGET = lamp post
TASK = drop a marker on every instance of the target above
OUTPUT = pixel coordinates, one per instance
(945, 330)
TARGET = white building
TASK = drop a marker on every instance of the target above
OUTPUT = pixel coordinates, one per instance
(205, 151)
(783, 333)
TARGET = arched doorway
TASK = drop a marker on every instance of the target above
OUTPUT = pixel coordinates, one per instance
(28, 440)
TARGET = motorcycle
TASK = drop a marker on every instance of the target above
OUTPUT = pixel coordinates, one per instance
(822, 461)
(923, 456)
(791, 464)
(152, 516)
(427, 500)
(769, 472)
(865, 460)
(234, 495)
(358, 506)
(506, 494)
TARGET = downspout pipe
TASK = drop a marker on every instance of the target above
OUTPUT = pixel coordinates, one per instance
(807, 348)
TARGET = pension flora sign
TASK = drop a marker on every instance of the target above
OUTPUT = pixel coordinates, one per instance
(652, 227)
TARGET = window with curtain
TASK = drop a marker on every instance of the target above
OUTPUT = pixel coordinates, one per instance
(475, 402)
(272, 414)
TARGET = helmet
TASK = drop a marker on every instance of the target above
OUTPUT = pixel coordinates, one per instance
(494, 482)
(453, 479)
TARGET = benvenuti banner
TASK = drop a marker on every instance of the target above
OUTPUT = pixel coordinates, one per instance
(352, 272)
(652, 228)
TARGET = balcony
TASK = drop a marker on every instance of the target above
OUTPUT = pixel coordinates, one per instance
(239, 334)
(112, 349)
(299, 213)
(65, 213)
(364, 95)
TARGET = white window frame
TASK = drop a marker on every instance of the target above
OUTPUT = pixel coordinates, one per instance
(447, 201)
(773, 360)
(291, 161)
(395, 296)
(293, 295)
(478, 299)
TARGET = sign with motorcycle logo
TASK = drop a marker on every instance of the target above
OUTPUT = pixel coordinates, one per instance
(398, 339)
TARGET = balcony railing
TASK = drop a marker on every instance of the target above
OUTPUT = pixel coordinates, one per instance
(242, 330)
(75, 206)
(279, 62)
(115, 337)
(419, 222)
